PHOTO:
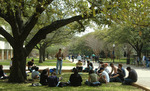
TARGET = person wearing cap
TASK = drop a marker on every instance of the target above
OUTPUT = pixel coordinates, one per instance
(106, 68)
(104, 77)
(131, 78)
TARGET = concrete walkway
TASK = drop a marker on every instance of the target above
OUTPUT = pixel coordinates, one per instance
(143, 73)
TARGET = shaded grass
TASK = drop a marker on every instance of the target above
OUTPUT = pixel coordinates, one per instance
(45, 63)
(4, 86)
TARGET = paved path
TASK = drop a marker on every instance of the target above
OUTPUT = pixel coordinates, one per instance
(143, 73)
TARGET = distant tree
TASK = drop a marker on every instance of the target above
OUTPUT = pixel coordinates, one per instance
(95, 44)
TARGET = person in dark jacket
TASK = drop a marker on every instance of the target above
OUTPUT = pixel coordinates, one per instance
(44, 77)
(75, 79)
(53, 80)
(119, 77)
(2, 74)
(131, 78)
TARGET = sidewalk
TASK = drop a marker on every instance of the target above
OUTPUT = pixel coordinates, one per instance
(143, 73)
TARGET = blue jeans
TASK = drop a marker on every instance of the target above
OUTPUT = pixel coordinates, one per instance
(58, 66)
(128, 81)
(116, 79)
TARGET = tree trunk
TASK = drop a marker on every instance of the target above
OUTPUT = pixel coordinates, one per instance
(139, 55)
(18, 70)
(43, 53)
(40, 55)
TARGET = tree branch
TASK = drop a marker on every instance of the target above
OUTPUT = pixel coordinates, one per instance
(18, 18)
(41, 34)
(8, 37)
(33, 20)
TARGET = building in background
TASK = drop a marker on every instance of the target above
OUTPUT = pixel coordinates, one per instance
(6, 51)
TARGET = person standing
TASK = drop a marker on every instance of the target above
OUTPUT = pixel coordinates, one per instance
(79, 57)
(59, 57)
(93, 57)
(72, 58)
(144, 60)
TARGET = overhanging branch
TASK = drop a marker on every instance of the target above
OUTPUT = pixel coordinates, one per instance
(33, 19)
(41, 34)
(8, 37)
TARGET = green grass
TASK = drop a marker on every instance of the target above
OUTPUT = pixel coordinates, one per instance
(123, 60)
(4, 86)
(45, 63)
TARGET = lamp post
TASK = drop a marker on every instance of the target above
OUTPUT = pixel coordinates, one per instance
(113, 52)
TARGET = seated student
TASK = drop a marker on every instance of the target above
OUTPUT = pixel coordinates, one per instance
(89, 66)
(106, 68)
(93, 79)
(131, 78)
(35, 74)
(44, 77)
(79, 66)
(75, 79)
(2, 74)
(113, 69)
(30, 65)
(104, 77)
(119, 77)
(100, 65)
(120, 67)
(53, 80)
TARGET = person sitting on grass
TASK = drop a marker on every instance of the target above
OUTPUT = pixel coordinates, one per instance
(119, 77)
(131, 78)
(44, 76)
(93, 79)
(2, 74)
(35, 74)
(113, 69)
(89, 66)
(53, 80)
(103, 76)
(75, 79)
(123, 71)
(30, 65)
(100, 65)
(79, 66)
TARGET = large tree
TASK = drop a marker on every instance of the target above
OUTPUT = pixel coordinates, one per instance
(22, 16)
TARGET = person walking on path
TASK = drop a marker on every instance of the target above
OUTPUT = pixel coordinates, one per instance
(131, 78)
(79, 57)
(59, 57)
(144, 60)
(72, 58)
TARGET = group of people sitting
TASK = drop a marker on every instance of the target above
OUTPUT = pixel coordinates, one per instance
(96, 77)
(103, 75)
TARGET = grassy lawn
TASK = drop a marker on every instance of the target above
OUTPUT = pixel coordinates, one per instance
(4, 86)
(115, 60)
(45, 63)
